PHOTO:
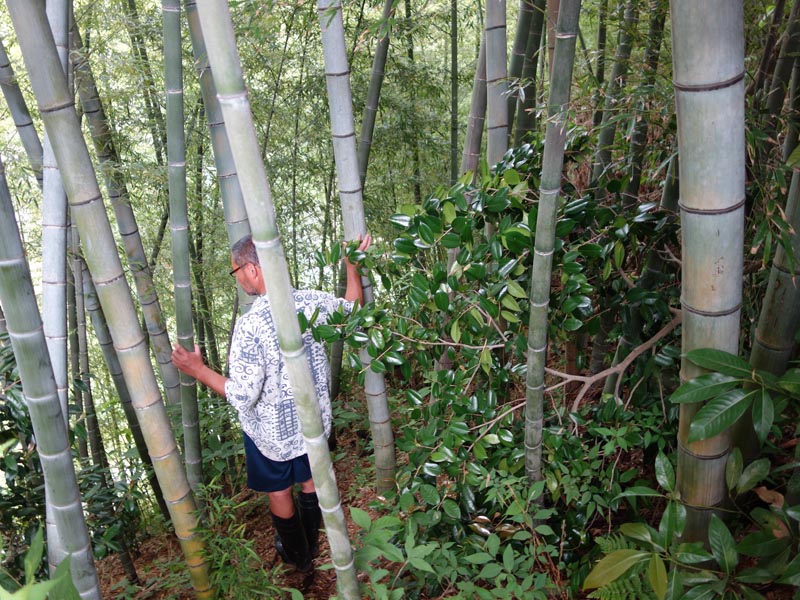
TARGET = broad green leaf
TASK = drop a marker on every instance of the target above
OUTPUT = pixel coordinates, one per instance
(360, 517)
(733, 468)
(420, 564)
(510, 303)
(479, 558)
(692, 553)
(636, 531)
(723, 546)
(703, 388)
(508, 559)
(639, 491)
(721, 362)
(455, 331)
(619, 254)
(34, 556)
(451, 509)
(515, 289)
(752, 474)
(763, 414)
(719, 414)
(665, 473)
(612, 566)
(673, 521)
(706, 591)
(64, 589)
(429, 494)
(790, 381)
(490, 571)
(791, 575)
(511, 176)
(657, 575)
(449, 212)
(39, 591)
(762, 544)
(794, 158)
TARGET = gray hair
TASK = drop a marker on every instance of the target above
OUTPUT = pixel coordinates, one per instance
(244, 252)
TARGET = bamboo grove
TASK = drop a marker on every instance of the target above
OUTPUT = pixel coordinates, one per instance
(576, 367)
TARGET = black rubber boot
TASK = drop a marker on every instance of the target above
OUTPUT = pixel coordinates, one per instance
(291, 543)
(311, 516)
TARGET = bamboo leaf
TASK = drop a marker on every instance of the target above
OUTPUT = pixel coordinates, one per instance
(721, 362)
(612, 566)
(719, 414)
(703, 388)
(723, 546)
(657, 575)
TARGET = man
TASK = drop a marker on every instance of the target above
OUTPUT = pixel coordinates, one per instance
(258, 388)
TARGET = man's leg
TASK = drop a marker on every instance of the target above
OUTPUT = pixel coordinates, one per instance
(291, 541)
(310, 515)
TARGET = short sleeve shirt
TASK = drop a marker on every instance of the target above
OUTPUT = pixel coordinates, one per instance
(258, 382)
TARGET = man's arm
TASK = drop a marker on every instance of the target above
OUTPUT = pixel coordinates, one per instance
(354, 292)
(192, 364)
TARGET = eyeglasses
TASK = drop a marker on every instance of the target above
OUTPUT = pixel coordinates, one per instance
(232, 273)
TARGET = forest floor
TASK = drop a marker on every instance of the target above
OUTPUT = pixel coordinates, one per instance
(155, 554)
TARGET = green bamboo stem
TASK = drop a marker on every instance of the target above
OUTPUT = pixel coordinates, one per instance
(616, 82)
(61, 122)
(217, 29)
(22, 117)
(496, 81)
(549, 192)
(127, 226)
(41, 397)
(518, 53)
(477, 115)
(179, 229)
(337, 80)
(526, 103)
(453, 91)
(709, 97)
(103, 336)
(230, 190)
(374, 90)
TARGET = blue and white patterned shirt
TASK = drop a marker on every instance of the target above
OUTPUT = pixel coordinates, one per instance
(258, 383)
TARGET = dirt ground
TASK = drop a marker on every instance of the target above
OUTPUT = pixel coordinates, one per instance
(155, 552)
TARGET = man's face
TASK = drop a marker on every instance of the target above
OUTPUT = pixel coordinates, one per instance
(247, 277)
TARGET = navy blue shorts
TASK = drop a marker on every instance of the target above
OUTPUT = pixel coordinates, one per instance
(266, 475)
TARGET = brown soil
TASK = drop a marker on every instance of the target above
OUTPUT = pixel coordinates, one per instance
(155, 553)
